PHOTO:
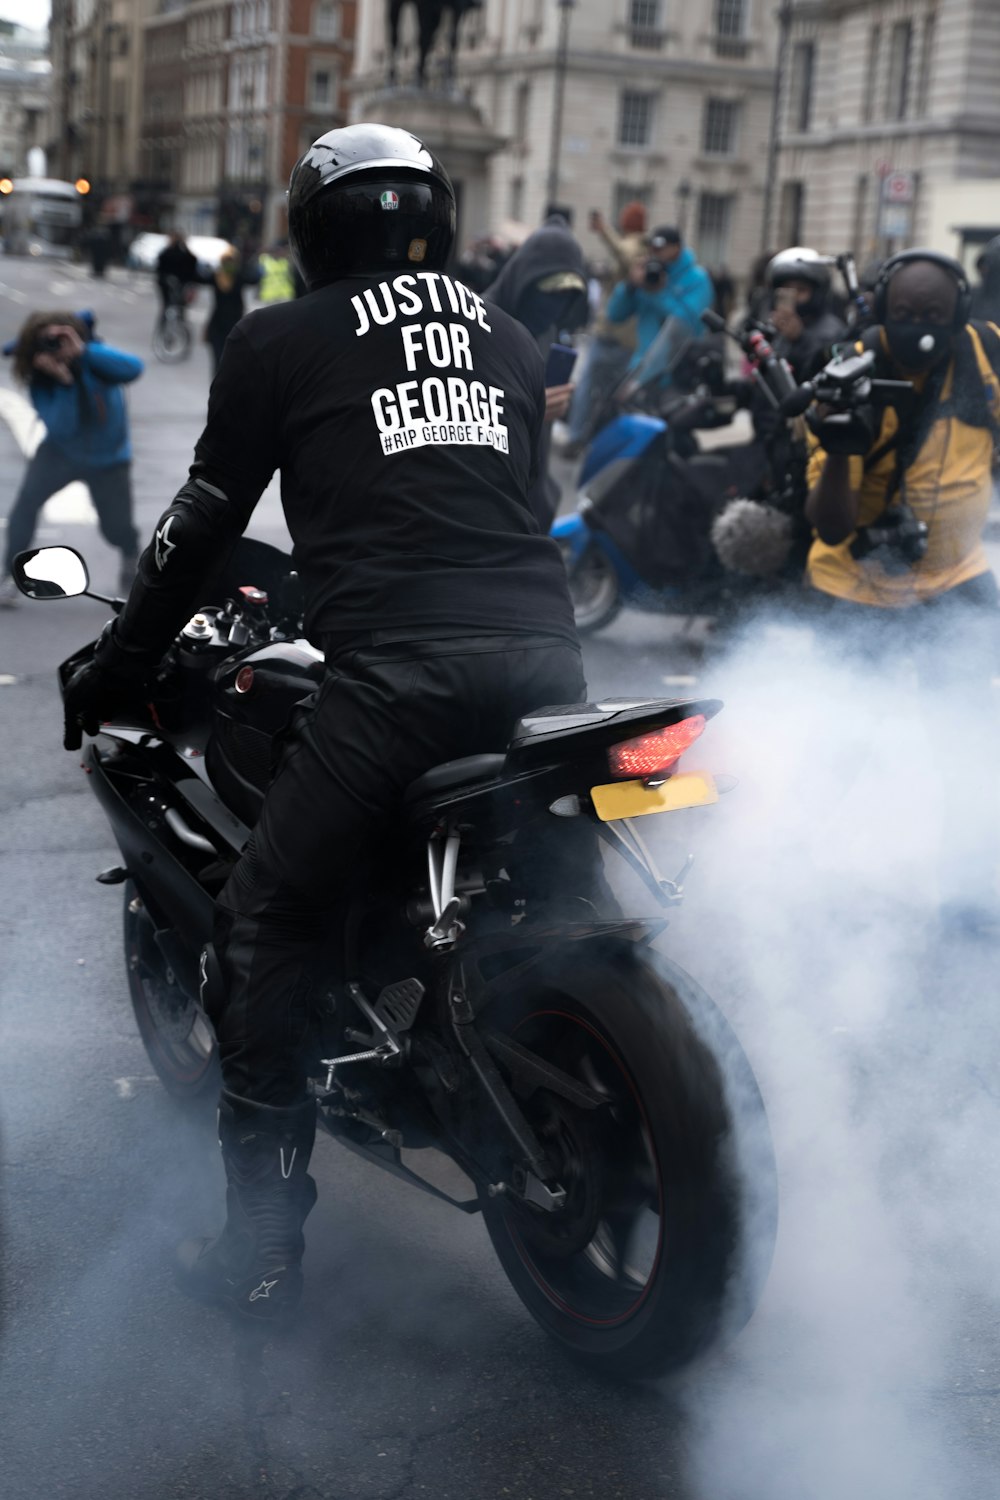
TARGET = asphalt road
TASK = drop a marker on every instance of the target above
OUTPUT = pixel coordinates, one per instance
(871, 1369)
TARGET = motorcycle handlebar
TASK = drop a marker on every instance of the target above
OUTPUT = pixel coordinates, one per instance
(773, 372)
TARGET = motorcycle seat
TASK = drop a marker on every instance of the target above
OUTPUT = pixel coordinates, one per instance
(454, 773)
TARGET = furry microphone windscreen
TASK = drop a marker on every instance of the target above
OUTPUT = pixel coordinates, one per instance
(752, 538)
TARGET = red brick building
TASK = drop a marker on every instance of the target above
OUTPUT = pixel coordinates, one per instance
(233, 92)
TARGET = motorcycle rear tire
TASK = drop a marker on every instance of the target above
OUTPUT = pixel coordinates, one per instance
(175, 1033)
(594, 588)
(627, 1011)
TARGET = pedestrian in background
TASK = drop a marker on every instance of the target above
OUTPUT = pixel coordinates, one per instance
(986, 296)
(666, 285)
(176, 270)
(277, 274)
(544, 286)
(614, 343)
(75, 385)
(228, 283)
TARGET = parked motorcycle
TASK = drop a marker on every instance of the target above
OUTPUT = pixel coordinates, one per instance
(492, 1004)
(662, 526)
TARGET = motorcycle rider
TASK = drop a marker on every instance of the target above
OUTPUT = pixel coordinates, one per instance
(405, 416)
(801, 311)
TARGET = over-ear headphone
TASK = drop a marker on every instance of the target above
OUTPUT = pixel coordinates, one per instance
(947, 263)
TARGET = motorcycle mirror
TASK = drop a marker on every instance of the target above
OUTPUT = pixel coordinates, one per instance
(50, 573)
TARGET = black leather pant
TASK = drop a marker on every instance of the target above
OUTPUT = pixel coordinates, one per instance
(384, 715)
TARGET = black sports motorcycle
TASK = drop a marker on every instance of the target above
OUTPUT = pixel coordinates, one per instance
(595, 1099)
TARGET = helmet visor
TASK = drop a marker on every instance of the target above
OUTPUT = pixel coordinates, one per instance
(371, 224)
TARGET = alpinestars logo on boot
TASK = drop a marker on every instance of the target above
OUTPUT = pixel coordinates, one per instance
(264, 1290)
(389, 200)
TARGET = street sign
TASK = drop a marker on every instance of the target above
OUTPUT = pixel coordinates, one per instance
(898, 187)
(896, 221)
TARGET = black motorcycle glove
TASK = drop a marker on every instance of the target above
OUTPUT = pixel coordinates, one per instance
(101, 688)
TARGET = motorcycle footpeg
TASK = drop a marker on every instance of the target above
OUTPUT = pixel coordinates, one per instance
(397, 1005)
(113, 875)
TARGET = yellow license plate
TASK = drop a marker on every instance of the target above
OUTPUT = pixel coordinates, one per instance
(630, 799)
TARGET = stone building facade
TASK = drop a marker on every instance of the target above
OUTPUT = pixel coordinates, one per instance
(25, 80)
(193, 112)
(668, 101)
(890, 125)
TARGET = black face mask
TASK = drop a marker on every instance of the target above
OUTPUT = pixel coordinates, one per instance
(539, 311)
(918, 346)
(811, 306)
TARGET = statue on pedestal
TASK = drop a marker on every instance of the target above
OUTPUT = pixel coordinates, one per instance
(430, 14)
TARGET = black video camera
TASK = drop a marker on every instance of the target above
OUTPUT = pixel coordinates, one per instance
(896, 540)
(654, 272)
(854, 401)
(50, 343)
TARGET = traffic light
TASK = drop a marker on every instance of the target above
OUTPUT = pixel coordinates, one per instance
(82, 186)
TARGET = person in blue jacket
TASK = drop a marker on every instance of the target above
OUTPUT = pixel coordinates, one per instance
(75, 384)
(665, 284)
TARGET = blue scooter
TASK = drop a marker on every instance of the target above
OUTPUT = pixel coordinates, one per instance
(642, 534)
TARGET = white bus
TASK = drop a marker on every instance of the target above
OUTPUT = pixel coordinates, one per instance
(40, 215)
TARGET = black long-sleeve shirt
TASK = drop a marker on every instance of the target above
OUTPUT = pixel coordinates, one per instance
(404, 415)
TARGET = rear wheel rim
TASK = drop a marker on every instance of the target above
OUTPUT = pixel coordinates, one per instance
(605, 1283)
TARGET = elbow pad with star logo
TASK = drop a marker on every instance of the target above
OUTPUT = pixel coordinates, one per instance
(193, 538)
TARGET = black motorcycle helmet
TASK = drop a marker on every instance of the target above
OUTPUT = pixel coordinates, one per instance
(366, 199)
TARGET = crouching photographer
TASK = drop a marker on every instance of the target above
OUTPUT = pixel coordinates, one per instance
(900, 484)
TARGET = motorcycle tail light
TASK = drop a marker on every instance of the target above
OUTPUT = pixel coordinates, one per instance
(652, 754)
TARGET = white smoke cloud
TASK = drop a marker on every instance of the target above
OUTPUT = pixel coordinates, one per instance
(865, 798)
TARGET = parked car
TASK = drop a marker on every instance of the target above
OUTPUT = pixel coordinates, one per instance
(145, 248)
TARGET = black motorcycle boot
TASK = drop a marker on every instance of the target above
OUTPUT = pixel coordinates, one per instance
(254, 1267)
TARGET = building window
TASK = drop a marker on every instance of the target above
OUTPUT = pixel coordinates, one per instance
(800, 89)
(516, 199)
(644, 24)
(715, 212)
(630, 192)
(326, 21)
(862, 190)
(730, 28)
(321, 89)
(791, 211)
(926, 62)
(900, 55)
(635, 118)
(719, 127)
(522, 111)
(871, 75)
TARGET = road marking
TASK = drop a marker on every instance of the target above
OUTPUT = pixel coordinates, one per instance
(6, 680)
(126, 1086)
